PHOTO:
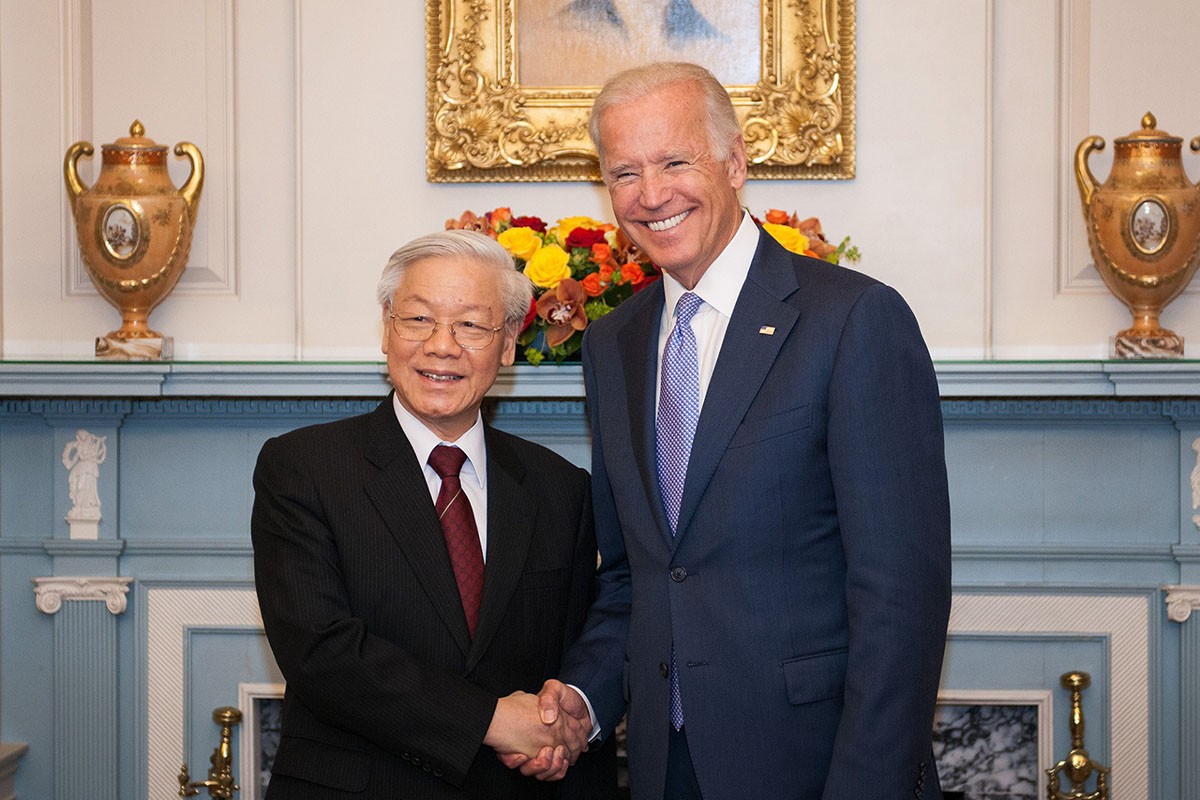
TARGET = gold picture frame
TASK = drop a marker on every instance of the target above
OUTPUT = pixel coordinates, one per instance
(483, 125)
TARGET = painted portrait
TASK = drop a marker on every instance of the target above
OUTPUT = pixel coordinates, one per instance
(584, 42)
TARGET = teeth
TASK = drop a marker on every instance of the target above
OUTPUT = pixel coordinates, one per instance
(440, 378)
(667, 224)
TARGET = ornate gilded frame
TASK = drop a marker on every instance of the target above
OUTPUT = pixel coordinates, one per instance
(483, 126)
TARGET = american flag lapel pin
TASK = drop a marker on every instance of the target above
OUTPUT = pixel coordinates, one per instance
(767, 330)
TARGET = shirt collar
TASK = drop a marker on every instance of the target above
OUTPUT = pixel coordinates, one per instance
(721, 283)
(424, 440)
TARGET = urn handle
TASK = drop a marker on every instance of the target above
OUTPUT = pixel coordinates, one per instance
(1195, 145)
(75, 186)
(1083, 173)
(195, 182)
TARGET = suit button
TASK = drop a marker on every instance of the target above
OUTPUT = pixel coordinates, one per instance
(437, 773)
(662, 669)
(406, 756)
(679, 574)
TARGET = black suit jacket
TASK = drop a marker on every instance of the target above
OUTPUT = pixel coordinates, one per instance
(387, 695)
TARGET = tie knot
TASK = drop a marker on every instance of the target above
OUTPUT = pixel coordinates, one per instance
(689, 303)
(447, 461)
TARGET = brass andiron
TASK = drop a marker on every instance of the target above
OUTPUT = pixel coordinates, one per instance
(220, 774)
(1077, 766)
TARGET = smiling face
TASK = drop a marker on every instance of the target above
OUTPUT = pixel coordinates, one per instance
(436, 380)
(672, 197)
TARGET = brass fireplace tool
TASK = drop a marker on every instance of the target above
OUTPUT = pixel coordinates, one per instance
(1077, 766)
(220, 774)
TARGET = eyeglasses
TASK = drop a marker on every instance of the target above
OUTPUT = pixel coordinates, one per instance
(469, 335)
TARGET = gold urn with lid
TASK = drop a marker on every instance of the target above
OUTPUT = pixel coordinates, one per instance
(135, 231)
(1143, 227)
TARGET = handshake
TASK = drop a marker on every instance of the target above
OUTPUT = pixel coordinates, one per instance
(542, 734)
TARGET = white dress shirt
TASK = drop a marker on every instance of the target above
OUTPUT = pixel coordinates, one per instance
(719, 288)
(473, 476)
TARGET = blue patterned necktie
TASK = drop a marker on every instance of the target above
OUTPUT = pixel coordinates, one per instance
(678, 413)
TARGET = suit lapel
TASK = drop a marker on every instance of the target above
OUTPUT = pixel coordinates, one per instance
(510, 525)
(641, 385)
(746, 357)
(401, 496)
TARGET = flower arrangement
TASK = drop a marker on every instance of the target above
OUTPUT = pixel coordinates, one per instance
(804, 236)
(582, 269)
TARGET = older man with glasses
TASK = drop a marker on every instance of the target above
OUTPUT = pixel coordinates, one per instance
(408, 561)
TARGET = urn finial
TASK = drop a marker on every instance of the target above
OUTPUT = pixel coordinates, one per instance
(1149, 122)
(138, 129)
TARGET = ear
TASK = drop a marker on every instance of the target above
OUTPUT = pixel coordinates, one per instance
(509, 354)
(387, 328)
(736, 163)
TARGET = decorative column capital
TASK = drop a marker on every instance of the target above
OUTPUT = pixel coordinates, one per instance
(1181, 601)
(51, 592)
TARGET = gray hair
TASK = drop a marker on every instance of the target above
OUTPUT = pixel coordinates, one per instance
(515, 289)
(633, 84)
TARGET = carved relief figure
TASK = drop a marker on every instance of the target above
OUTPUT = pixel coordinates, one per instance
(83, 458)
(1195, 479)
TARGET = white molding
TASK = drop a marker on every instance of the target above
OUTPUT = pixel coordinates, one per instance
(1181, 602)
(169, 614)
(249, 751)
(1124, 621)
(52, 591)
(218, 277)
(298, 178)
(989, 183)
(1043, 699)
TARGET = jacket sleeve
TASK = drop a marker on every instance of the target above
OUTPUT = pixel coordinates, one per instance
(887, 461)
(597, 660)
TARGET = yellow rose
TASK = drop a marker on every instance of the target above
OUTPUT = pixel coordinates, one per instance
(548, 266)
(521, 242)
(564, 227)
(787, 236)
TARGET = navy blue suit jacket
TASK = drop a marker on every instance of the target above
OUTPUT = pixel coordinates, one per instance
(807, 590)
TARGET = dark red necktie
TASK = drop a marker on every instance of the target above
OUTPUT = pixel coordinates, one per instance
(458, 527)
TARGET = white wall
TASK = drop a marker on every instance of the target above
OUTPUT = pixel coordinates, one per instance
(311, 117)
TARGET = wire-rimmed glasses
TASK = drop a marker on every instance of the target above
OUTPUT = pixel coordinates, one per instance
(470, 335)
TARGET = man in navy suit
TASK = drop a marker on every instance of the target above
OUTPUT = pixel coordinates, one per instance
(409, 644)
(774, 584)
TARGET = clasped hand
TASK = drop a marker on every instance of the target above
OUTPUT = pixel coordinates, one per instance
(543, 734)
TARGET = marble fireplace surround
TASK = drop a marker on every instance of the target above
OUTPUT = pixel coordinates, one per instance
(174, 613)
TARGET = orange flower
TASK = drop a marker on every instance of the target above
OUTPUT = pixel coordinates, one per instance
(606, 271)
(498, 215)
(777, 217)
(592, 285)
(562, 308)
(601, 252)
(632, 273)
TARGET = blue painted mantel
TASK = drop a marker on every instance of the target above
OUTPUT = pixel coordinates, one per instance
(1075, 489)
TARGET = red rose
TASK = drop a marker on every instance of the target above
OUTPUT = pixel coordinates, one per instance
(535, 223)
(583, 237)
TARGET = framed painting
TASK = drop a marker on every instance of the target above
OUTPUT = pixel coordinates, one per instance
(510, 83)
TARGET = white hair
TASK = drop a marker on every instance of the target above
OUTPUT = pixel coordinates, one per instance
(515, 289)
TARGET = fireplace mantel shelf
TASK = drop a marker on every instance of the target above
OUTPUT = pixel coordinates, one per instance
(45, 378)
